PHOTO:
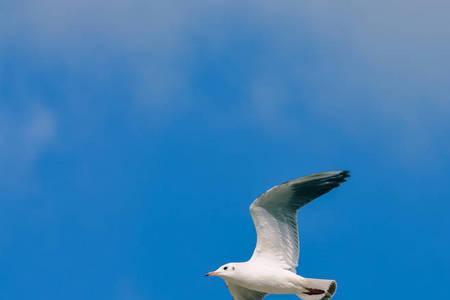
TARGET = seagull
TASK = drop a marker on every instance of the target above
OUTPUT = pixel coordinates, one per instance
(272, 267)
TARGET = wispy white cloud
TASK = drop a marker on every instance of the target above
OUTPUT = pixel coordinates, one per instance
(24, 136)
(378, 71)
(381, 65)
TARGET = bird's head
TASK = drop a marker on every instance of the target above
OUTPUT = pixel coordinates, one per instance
(225, 271)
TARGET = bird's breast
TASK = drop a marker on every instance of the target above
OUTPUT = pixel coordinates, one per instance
(269, 280)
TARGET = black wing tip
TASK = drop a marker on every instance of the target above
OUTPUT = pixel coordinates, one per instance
(329, 177)
(339, 178)
(344, 174)
(326, 183)
(334, 176)
(332, 288)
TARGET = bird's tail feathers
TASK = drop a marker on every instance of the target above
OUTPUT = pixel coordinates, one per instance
(317, 289)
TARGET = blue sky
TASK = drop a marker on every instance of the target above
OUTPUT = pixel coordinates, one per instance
(134, 135)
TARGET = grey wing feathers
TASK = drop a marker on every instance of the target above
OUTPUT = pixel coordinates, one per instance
(274, 214)
(241, 293)
(308, 188)
(300, 191)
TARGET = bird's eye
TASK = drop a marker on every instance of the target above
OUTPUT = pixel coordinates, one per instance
(225, 268)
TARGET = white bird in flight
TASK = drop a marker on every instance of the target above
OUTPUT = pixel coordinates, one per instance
(272, 267)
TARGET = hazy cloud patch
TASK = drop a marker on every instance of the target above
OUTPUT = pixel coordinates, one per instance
(366, 66)
(24, 136)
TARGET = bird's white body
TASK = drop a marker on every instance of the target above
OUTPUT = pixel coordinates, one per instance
(272, 267)
(267, 279)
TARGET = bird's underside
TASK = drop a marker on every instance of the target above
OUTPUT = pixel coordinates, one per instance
(274, 214)
(304, 288)
(241, 293)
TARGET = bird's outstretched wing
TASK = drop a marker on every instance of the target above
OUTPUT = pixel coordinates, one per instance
(241, 293)
(275, 216)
